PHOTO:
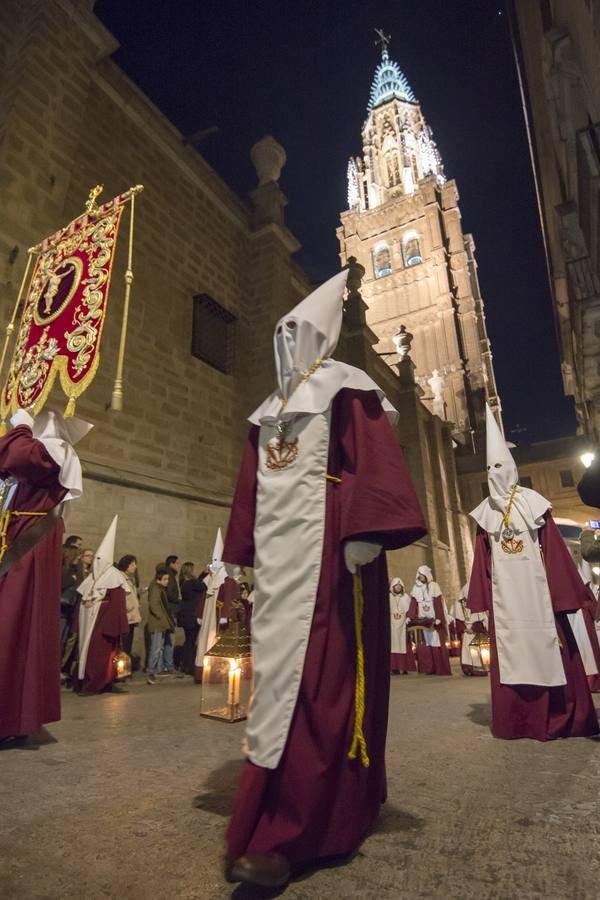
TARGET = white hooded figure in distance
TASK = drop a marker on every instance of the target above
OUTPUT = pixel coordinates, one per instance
(524, 578)
(323, 489)
(402, 656)
(427, 614)
(102, 617)
(209, 627)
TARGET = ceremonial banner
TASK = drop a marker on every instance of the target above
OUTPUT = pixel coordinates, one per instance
(64, 310)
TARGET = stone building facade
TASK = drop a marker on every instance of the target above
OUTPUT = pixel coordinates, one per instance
(70, 118)
(212, 273)
(557, 48)
(403, 225)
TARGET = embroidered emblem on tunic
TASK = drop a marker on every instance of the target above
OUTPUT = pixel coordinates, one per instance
(281, 453)
(509, 543)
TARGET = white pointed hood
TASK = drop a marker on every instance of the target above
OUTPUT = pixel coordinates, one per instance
(103, 577)
(59, 435)
(216, 561)
(305, 338)
(104, 574)
(528, 507)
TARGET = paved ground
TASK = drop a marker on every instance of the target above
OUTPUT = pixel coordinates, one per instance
(127, 798)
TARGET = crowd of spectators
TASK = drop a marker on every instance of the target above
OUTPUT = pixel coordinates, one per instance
(163, 617)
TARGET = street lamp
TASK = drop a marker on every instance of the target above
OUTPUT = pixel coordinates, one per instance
(587, 458)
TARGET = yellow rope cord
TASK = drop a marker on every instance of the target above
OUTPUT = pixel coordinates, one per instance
(333, 478)
(506, 516)
(5, 522)
(359, 743)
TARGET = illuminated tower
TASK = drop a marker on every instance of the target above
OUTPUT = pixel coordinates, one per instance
(403, 224)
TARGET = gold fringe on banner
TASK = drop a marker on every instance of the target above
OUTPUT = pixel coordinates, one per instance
(70, 408)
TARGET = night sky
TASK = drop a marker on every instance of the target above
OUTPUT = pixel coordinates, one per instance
(302, 72)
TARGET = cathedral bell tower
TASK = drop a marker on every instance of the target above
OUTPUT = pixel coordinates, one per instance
(403, 224)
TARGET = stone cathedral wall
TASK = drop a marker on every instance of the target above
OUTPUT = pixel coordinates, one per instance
(72, 119)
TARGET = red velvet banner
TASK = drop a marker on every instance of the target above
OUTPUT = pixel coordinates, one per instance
(64, 312)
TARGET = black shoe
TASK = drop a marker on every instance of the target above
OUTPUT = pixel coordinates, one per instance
(268, 870)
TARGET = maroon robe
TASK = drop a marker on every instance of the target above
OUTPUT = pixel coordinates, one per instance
(534, 711)
(432, 660)
(30, 593)
(317, 803)
(109, 627)
(229, 592)
(454, 638)
(404, 662)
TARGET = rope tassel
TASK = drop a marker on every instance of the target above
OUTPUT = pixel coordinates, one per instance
(359, 744)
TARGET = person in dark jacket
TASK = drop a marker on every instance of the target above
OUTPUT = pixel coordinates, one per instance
(174, 600)
(193, 595)
(70, 579)
(161, 625)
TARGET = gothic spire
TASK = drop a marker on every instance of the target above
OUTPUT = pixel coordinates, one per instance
(389, 81)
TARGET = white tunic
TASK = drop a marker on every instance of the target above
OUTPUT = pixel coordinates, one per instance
(288, 539)
(580, 633)
(399, 604)
(526, 638)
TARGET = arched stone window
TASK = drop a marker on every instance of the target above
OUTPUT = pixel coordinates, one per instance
(382, 260)
(411, 251)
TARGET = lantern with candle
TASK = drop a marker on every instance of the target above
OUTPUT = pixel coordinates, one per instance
(480, 650)
(121, 665)
(227, 676)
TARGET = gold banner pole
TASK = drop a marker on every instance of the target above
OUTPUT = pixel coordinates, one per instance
(11, 325)
(116, 402)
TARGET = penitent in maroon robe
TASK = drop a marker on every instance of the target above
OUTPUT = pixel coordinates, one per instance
(533, 711)
(109, 628)
(317, 803)
(30, 593)
(432, 660)
(403, 663)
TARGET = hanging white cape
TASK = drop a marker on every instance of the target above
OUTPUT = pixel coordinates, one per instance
(316, 394)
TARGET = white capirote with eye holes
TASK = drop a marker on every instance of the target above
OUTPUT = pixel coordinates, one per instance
(528, 507)
(305, 336)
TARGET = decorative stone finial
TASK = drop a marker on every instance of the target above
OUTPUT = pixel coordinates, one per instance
(402, 341)
(268, 158)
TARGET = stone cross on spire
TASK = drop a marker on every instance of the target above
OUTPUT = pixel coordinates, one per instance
(383, 39)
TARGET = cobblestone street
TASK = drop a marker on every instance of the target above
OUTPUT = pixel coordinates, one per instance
(128, 796)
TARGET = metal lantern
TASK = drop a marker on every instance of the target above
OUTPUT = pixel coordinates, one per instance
(480, 650)
(121, 665)
(227, 676)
